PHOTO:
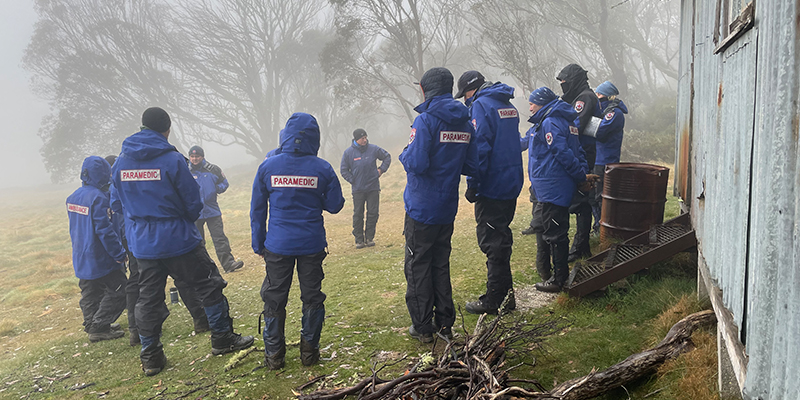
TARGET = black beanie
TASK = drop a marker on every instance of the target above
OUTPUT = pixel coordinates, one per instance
(436, 81)
(155, 118)
(197, 151)
(111, 159)
(359, 133)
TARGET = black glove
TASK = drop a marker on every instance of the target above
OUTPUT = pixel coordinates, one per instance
(471, 195)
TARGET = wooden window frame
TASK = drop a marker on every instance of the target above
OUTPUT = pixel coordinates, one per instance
(729, 32)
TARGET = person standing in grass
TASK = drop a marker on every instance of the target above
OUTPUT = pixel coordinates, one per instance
(293, 187)
(496, 189)
(358, 168)
(98, 257)
(440, 149)
(161, 202)
(609, 140)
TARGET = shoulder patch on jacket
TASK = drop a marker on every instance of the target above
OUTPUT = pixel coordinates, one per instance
(454, 137)
(78, 209)
(579, 106)
(134, 175)
(507, 112)
(609, 116)
(413, 135)
(294, 181)
(549, 138)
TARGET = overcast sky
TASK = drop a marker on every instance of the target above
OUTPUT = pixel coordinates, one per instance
(20, 110)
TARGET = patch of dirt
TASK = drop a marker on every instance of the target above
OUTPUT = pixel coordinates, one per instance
(528, 298)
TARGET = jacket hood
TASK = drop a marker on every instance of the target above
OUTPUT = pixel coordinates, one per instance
(499, 91)
(607, 105)
(96, 172)
(359, 147)
(555, 108)
(446, 108)
(301, 135)
(575, 80)
(146, 145)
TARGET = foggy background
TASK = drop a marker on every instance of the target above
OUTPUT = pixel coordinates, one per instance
(76, 74)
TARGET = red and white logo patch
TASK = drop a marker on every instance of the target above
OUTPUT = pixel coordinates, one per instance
(579, 106)
(549, 138)
(454, 137)
(475, 124)
(77, 209)
(357, 158)
(609, 116)
(573, 130)
(293, 181)
(137, 175)
(507, 113)
(413, 135)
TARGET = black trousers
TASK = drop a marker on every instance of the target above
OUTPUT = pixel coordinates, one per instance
(372, 200)
(102, 301)
(429, 295)
(221, 244)
(495, 240)
(132, 289)
(556, 234)
(597, 206)
(278, 281)
(195, 269)
(583, 222)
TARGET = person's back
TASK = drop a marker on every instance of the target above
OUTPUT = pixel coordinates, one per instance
(440, 149)
(160, 197)
(298, 186)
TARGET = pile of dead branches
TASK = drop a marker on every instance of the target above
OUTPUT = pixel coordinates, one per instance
(470, 367)
(476, 368)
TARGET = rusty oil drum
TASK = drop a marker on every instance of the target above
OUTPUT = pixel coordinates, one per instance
(633, 200)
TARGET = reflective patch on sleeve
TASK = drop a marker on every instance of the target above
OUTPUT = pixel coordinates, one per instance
(454, 137)
(136, 175)
(294, 181)
(507, 112)
(579, 106)
(78, 209)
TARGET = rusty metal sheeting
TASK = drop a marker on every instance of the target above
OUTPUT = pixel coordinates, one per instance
(742, 111)
(633, 199)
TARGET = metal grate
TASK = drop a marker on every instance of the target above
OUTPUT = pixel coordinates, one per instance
(666, 233)
(625, 252)
(587, 270)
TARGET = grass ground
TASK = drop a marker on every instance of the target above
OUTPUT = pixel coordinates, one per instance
(45, 353)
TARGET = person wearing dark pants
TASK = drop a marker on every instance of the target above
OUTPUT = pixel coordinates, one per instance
(543, 265)
(212, 183)
(497, 186)
(161, 201)
(293, 187)
(556, 168)
(358, 168)
(97, 254)
(575, 84)
(441, 148)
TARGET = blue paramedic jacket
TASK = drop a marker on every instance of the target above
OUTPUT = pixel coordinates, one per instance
(295, 186)
(557, 163)
(441, 148)
(96, 247)
(159, 197)
(358, 166)
(609, 134)
(212, 182)
(496, 124)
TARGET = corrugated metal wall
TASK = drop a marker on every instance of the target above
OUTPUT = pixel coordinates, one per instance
(744, 165)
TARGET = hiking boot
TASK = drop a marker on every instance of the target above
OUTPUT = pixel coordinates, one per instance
(109, 335)
(549, 287)
(234, 267)
(201, 325)
(308, 354)
(370, 243)
(528, 231)
(135, 340)
(154, 363)
(227, 342)
(115, 327)
(361, 245)
(447, 332)
(277, 360)
(422, 337)
(479, 307)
